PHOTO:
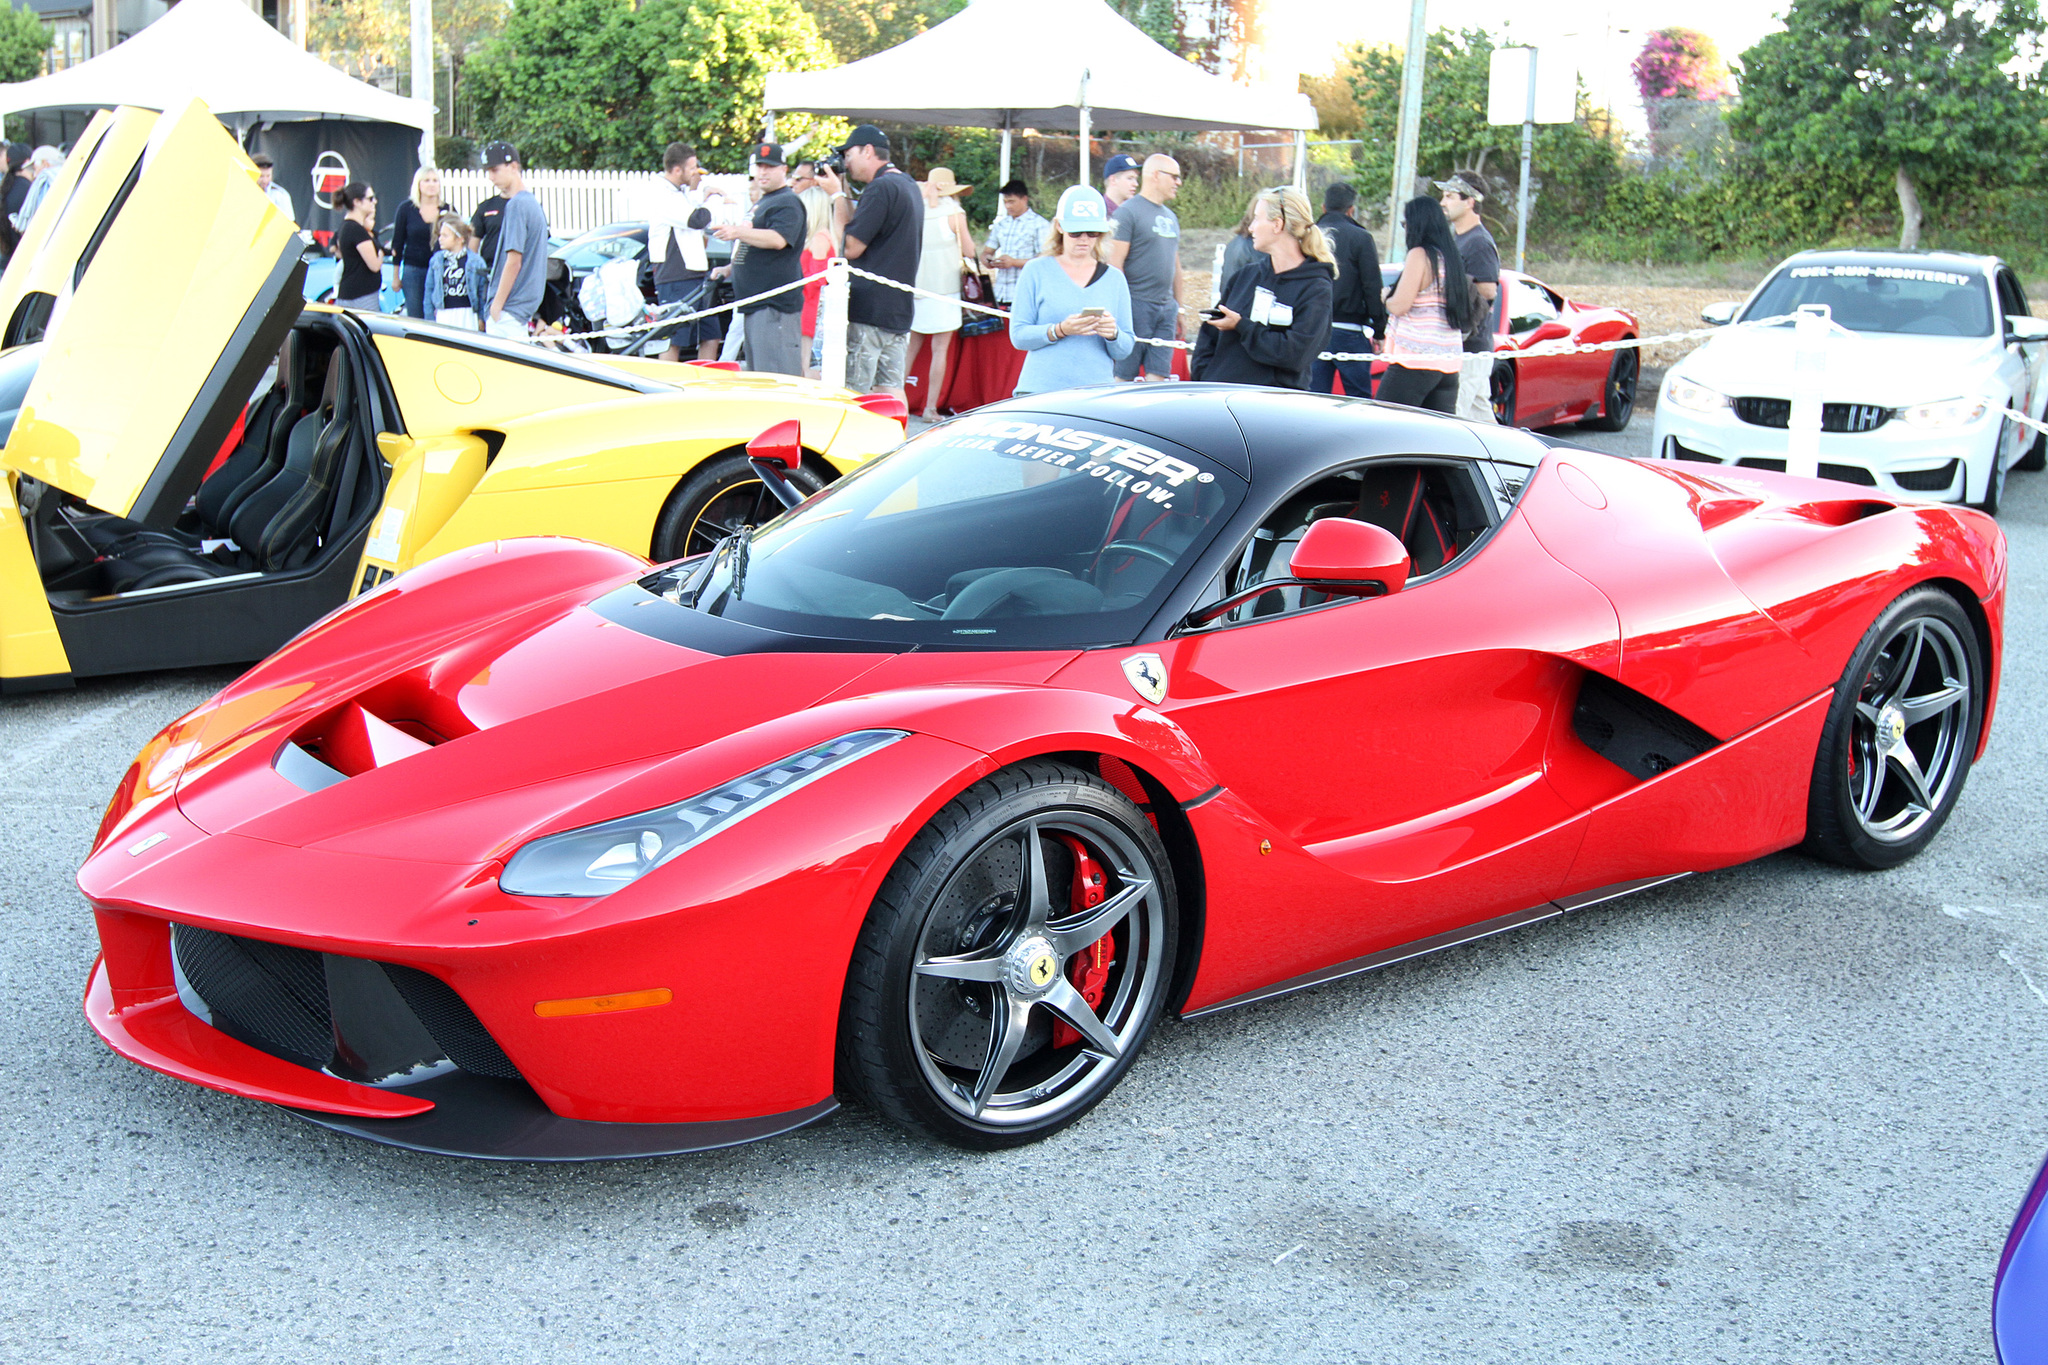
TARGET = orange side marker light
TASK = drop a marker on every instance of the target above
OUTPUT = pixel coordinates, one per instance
(604, 1004)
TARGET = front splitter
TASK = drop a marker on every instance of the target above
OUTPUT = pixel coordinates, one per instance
(494, 1120)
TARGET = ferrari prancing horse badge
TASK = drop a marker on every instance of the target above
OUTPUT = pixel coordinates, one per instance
(1147, 674)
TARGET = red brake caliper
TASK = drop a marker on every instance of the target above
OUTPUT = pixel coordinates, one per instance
(1088, 969)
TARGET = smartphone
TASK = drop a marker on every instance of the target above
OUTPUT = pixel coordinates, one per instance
(1213, 314)
(1094, 312)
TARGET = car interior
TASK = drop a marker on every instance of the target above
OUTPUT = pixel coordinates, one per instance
(1879, 303)
(301, 477)
(1438, 510)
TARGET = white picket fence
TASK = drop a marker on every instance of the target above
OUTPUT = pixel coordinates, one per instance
(574, 201)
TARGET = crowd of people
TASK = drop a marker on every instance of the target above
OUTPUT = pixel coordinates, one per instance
(1095, 293)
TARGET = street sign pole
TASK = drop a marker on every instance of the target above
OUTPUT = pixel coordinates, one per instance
(1408, 134)
(1528, 149)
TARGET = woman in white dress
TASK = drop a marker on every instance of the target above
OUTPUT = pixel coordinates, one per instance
(946, 246)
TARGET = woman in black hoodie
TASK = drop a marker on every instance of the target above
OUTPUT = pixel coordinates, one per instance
(1275, 313)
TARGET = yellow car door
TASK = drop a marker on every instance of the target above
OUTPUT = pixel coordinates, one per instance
(66, 232)
(192, 288)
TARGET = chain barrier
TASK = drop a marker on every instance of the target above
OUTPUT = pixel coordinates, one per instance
(657, 320)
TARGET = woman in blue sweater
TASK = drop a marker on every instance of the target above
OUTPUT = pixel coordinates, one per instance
(1072, 313)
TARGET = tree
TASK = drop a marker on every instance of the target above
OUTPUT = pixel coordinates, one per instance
(1922, 89)
(24, 41)
(861, 28)
(1683, 64)
(361, 37)
(582, 83)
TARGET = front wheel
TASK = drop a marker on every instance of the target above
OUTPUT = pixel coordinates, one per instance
(1994, 482)
(1618, 398)
(719, 497)
(1900, 735)
(1014, 962)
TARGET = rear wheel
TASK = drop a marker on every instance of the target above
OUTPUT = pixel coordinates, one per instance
(1618, 399)
(2036, 458)
(1503, 394)
(1013, 963)
(1900, 735)
(720, 496)
(1994, 483)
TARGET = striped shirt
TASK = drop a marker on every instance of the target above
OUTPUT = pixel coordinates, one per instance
(1423, 338)
(1021, 236)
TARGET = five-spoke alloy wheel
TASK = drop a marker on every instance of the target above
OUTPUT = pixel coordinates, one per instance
(1900, 734)
(1015, 961)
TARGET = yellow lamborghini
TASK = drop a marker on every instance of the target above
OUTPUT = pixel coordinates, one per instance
(197, 464)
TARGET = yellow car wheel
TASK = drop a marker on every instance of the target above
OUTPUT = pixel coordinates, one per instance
(720, 496)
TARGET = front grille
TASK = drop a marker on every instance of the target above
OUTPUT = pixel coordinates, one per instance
(1846, 418)
(274, 998)
(1840, 473)
(1934, 480)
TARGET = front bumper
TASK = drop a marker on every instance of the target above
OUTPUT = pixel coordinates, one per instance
(1896, 459)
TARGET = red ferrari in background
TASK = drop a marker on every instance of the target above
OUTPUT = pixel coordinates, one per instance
(1597, 391)
(936, 791)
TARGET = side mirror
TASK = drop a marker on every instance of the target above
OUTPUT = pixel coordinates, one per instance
(1549, 331)
(1339, 555)
(773, 454)
(1719, 314)
(2022, 328)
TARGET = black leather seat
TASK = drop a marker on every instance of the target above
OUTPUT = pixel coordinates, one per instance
(275, 526)
(254, 461)
(1397, 498)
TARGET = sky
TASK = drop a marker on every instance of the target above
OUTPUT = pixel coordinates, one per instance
(1601, 38)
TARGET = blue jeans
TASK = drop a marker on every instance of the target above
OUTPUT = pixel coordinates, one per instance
(413, 280)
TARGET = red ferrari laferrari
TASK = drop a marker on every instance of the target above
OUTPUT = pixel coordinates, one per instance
(937, 790)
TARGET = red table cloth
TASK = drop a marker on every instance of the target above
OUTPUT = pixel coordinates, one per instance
(983, 369)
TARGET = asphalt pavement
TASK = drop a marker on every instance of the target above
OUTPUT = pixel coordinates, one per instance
(1778, 1113)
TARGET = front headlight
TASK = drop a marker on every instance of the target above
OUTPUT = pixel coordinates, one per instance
(1685, 393)
(599, 859)
(1949, 412)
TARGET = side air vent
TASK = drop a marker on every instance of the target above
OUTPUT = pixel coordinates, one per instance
(1637, 735)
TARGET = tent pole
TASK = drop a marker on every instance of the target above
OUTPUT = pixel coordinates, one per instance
(423, 69)
(1301, 161)
(1082, 178)
(1003, 174)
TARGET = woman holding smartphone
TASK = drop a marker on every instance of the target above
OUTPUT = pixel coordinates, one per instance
(1072, 313)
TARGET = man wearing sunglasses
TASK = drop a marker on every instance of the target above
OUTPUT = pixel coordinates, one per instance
(1147, 249)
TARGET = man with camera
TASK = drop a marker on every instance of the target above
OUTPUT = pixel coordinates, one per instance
(884, 234)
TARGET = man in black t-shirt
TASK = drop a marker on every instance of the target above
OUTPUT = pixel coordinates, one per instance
(485, 224)
(774, 242)
(885, 234)
(1462, 196)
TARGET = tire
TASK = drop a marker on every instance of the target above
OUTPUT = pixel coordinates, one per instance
(720, 496)
(964, 982)
(1618, 398)
(1994, 482)
(2036, 458)
(1502, 391)
(1917, 680)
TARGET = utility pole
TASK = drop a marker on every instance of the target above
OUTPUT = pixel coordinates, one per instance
(423, 67)
(1410, 127)
(1528, 150)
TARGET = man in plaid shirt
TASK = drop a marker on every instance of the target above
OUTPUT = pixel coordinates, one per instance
(1017, 235)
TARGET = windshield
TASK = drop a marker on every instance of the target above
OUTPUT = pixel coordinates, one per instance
(1876, 297)
(1010, 531)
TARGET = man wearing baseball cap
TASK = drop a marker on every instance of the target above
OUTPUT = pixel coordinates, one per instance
(884, 235)
(1462, 195)
(1120, 179)
(519, 273)
(774, 242)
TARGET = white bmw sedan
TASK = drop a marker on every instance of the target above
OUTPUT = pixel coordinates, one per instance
(1930, 350)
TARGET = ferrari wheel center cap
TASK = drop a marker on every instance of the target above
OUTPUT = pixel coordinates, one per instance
(1032, 967)
(1891, 727)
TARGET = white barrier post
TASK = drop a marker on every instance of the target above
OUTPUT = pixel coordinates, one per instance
(1810, 328)
(832, 301)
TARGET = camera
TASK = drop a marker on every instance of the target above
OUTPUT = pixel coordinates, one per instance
(834, 162)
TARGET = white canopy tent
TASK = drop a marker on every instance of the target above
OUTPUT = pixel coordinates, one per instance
(219, 50)
(1056, 64)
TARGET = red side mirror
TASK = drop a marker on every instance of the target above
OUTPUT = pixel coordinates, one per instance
(886, 405)
(781, 444)
(1341, 555)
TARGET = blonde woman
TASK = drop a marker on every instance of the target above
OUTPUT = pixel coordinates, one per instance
(1274, 317)
(1072, 313)
(947, 246)
(819, 247)
(413, 232)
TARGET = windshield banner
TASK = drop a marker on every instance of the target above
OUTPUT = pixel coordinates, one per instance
(1138, 469)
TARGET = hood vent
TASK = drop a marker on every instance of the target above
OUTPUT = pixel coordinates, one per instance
(347, 742)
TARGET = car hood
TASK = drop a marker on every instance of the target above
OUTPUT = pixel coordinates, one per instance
(151, 353)
(1863, 367)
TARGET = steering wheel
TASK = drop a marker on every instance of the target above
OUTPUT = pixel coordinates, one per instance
(1132, 547)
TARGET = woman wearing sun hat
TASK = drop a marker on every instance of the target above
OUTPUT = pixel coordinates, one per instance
(1072, 315)
(946, 246)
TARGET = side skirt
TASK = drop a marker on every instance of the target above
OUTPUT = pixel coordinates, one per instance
(1485, 928)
